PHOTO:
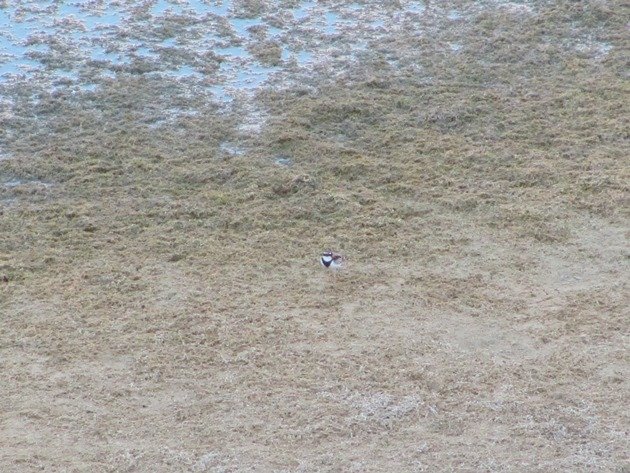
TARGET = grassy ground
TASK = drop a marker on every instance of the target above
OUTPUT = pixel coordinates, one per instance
(164, 309)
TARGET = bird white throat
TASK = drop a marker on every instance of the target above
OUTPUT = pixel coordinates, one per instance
(332, 260)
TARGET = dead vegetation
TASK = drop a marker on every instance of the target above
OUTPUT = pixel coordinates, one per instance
(163, 309)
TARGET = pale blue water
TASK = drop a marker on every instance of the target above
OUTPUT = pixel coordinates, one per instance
(416, 7)
(303, 11)
(193, 52)
(241, 24)
(332, 20)
(59, 40)
(233, 51)
(304, 57)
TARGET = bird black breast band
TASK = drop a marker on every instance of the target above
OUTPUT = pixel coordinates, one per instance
(326, 263)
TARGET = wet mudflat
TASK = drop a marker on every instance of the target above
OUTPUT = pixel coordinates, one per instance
(169, 172)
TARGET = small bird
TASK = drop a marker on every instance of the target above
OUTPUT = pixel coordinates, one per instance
(332, 260)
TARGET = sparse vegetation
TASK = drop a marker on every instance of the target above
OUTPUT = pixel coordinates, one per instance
(164, 310)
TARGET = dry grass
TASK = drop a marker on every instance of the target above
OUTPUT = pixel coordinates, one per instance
(165, 312)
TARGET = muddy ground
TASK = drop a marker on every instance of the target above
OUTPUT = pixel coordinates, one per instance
(163, 309)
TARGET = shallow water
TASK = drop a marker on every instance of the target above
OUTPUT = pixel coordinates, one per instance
(202, 41)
